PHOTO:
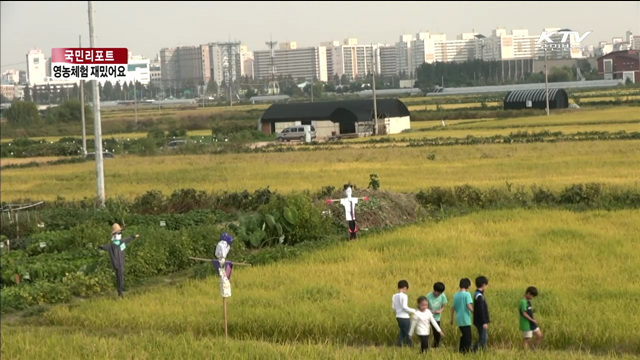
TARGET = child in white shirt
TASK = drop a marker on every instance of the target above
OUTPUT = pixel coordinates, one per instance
(399, 303)
(421, 323)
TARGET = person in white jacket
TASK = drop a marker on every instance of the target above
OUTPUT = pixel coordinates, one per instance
(399, 304)
(421, 323)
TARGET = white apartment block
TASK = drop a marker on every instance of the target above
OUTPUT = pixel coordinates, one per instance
(138, 70)
(404, 55)
(246, 62)
(388, 60)
(223, 66)
(308, 63)
(36, 67)
(350, 59)
(11, 77)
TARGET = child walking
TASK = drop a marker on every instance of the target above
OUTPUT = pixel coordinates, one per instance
(481, 313)
(399, 303)
(421, 323)
(437, 301)
(528, 325)
(461, 311)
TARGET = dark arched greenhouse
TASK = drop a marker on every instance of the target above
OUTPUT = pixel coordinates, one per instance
(536, 99)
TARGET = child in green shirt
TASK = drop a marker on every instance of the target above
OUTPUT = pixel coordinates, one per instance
(528, 325)
(437, 302)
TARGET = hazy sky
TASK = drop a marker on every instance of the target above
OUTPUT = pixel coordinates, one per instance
(146, 27)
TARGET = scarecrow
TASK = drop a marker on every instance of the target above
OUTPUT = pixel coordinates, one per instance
(116, 253)
(223, 268)
(349, 204)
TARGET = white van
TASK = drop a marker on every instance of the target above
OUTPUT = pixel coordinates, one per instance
(297, 133)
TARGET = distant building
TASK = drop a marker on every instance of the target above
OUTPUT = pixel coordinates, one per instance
(185, 66)
(225, 63)
(8, 91)
(388, 61)
(338, 117)
(155, 71)
(350, 59)
(246, 62)
(138, 70)
(11, 77)
(307, 63)
(620, 65)
(36, 67)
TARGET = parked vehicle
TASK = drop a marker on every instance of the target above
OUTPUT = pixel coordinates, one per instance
(297, 133)
(105, 155)
(175, 143)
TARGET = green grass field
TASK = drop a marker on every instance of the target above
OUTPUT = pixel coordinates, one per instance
(399, 169)
(334, 303)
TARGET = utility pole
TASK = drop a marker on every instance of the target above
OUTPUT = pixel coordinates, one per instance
(135, 101)
(96, 121)
(546, 79)
(375, 103)
(312, 89)
(84, 126)
(272, 88)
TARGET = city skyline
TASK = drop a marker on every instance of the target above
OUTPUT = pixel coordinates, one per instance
(189, 23)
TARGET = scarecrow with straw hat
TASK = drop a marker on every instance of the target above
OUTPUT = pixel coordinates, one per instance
(116, 253)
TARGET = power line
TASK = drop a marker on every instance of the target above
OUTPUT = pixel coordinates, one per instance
(14, 64)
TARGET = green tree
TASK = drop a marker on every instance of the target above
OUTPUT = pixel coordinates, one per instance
(212, 87)
(27, 93)
(125, 91)
(250, 93)
(560, 74)
(117, 92)
(107, 91)
(75, 92)
(69, 111)
(23, 113)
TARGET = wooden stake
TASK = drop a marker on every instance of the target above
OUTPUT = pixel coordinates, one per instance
(234, 263)
(226, 330)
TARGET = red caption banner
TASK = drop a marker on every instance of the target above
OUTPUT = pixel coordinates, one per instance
(90, 55)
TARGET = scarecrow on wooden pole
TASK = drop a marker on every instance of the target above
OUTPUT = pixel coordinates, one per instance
(223, 268)
(116, 254)
(349, 204)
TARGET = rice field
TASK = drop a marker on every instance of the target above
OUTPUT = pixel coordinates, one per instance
(334, 303)
(400, 169)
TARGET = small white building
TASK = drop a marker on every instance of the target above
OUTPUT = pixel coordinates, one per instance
(338, 117)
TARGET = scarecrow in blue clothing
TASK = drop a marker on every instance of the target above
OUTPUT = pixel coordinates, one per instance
(224, 267)
(116, 253)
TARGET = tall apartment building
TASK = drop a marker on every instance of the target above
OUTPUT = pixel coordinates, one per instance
(308, 63)
(404, 55)
(155, 72)
(225, 62)
(246, 62)
(350, 59)
(36, 67)
(388, 61)
(185, 66)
